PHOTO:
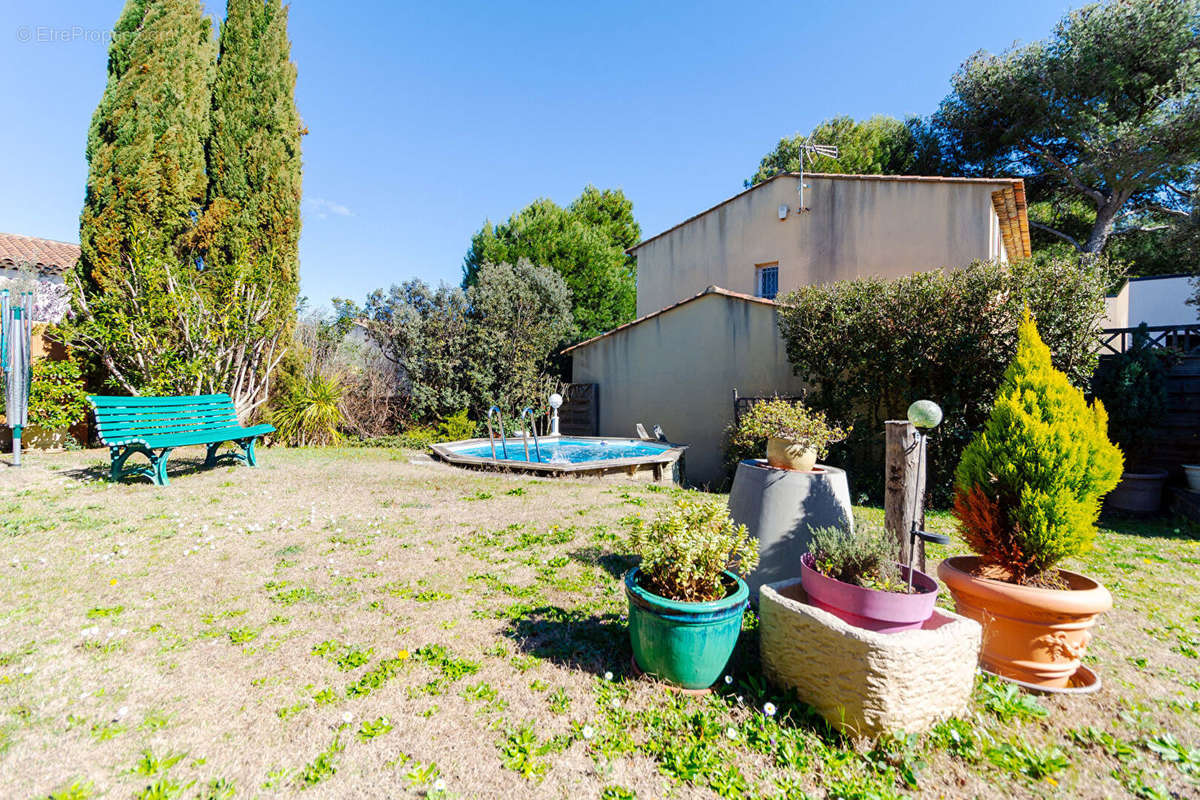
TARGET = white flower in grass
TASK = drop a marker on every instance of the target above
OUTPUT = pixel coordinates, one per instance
(439, 785)
(608, 676)
(769, 709)
(28, 670)
(347, 717)
(732, 733)
(616, 702)
(728, 679)
(123, 711)
(588, 733)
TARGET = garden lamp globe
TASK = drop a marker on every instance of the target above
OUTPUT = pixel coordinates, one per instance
(556, 402)
(924, 415)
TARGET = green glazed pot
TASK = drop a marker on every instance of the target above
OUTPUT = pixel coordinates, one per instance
(687, 644)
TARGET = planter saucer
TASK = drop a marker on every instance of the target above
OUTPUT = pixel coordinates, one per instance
(1084, 681)
(637, 673)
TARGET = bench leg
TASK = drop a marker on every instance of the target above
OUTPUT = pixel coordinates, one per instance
(210, 460)
(247, 446)
(157, 471)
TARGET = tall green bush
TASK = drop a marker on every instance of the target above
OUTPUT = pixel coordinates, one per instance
(870, 347)
(1027, 490)
(56, 395)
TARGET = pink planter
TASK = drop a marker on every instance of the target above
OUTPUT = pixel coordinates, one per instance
(886, 612)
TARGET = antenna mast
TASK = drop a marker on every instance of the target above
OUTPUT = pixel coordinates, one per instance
(812, 151)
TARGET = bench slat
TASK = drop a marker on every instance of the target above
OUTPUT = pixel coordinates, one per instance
(101, 400)
(194, 437)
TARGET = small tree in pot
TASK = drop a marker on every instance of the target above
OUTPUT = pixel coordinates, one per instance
(686, 598)
(853, 574)
(795, 436)
(1027, 494)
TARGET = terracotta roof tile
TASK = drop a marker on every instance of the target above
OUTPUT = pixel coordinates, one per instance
(47, 255)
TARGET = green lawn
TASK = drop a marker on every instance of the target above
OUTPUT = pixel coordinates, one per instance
(346, 623)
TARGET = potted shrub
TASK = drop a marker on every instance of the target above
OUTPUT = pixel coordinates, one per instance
(1133, 388)
(795, 435)
(686, 598)
(57, 400)
(853, 573)
(1026, 496)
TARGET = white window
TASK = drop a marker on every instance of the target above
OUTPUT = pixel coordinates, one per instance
(766, 280)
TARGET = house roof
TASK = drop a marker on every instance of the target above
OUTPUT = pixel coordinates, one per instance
(1012, 214)
(711, 290)
(47, 255)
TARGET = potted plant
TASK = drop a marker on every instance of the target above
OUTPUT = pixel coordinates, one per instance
(57, 400)
(686, 598)
(1026, 496)
(795, 435)
(1133, 387)
(852, 573)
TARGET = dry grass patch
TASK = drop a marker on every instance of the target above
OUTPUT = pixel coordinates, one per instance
(345, 623)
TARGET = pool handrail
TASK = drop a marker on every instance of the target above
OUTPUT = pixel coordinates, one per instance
(531, 431)
(492, 436)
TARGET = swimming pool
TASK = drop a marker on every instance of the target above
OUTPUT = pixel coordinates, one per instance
(569, 455)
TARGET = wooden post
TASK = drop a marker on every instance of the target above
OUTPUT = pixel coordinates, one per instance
(901, 487)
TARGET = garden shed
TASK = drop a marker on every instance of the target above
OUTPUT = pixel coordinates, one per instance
(678, 368)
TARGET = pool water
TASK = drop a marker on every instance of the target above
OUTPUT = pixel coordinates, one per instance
(567, 450)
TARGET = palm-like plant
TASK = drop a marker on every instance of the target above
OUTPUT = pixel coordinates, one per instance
(311, 414)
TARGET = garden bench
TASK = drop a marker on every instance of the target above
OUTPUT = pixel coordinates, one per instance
(154, 426)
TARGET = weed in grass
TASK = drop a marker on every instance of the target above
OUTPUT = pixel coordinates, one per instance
(100, 613)
(384, 671)
(163, 789)
(1094, 737)
(322, 767)
(103, 731)
(217, 789)
(423, 774)
(154, 720)
(617, 793)
(957, 737)
(523, 753)
(1007, 702)
(150, 765)
(243, 635)
(292, 710)
(560, 701)
(373, 728)
(325, 697)
(1022, 758)
(1169, 749)
(76, 790)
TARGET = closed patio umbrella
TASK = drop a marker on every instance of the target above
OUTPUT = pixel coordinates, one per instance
(17, 327)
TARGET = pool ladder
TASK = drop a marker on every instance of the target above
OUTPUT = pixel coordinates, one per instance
(531, 431)
(492, 436)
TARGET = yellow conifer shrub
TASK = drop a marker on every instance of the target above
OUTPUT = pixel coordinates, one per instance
(1028, 488)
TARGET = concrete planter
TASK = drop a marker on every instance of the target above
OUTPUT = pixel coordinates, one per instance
(1138, 492)
(781, 508)
(865, 682)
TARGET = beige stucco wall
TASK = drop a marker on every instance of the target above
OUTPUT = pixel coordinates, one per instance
(679, 369)
(854, 228)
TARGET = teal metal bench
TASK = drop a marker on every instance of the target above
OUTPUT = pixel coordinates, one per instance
(154, 426)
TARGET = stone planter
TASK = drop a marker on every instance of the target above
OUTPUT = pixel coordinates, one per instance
(1138, 492)
(864, 682)
(782, 454)
(781, 508)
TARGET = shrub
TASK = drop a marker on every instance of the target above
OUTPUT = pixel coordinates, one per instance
(455, 427)
(687, 547)
(864, 555)
(57, 398)
(782, 419)
(1027, 490)
(870, 347)
(1133, 388)
(311, 413)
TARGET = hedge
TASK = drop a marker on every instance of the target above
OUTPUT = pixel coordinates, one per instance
(869, 347)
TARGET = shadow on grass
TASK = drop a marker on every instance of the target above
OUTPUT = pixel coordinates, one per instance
(1149, 527)
(596, 643)
(614, 564)
(176, 467)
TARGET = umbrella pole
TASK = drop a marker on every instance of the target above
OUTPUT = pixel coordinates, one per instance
(17, 446)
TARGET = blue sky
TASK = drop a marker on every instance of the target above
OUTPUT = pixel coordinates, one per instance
(427, 118)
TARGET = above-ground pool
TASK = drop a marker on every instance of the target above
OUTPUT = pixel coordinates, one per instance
(569, 455)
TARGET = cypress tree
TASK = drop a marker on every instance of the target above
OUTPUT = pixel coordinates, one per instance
(145, 150)
(254, 160)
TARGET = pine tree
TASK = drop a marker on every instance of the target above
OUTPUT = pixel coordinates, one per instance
(254, 160)
(145, 150)
(1028, 487)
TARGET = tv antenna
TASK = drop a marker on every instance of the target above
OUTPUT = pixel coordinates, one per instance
(812, 150)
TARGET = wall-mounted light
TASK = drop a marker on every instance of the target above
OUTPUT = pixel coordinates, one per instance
(783, 211)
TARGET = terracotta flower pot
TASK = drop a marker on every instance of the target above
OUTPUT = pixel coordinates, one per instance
(875, 610)
(782, 454)
(1033, 635)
